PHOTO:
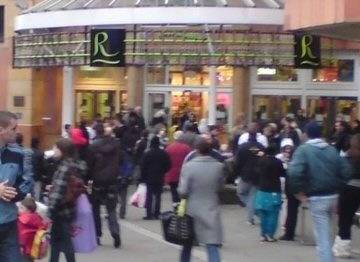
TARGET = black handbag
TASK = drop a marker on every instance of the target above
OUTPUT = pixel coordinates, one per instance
(178, 230)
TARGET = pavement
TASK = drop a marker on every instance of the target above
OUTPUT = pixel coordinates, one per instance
(142, 241)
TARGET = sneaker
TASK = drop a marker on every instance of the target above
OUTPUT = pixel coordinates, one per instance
(250, 223)
(286, 238)
(270, 239)
(263, 239)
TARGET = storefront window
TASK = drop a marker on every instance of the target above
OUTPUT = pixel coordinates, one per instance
(190, 76)
(275, 107)
(284, 74)
(335, 71)
(223, 102)
(156, 75)
(224, 76)
(325, 110)
(183, 102)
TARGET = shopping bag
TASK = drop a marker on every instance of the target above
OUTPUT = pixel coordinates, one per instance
(177, 229)
(41, 244)
(138, 199)
(84, 235)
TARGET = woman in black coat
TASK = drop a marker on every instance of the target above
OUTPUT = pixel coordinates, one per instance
(155, 163)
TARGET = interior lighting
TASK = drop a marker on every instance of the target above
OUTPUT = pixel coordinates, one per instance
(249, 3)
(266, 71)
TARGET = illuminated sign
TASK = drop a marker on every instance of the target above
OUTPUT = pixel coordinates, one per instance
(307, 51)
(107, 47)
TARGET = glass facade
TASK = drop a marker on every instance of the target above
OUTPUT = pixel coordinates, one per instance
(338, 70)
(275, 107)
(283, 74)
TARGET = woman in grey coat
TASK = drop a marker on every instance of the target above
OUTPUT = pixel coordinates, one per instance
(200, 182)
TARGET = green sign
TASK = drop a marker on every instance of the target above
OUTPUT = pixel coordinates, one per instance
(107, 47)
(307, 51)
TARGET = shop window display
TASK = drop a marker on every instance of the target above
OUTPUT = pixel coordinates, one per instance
(271, 108)
(156, 75)
(335, 71)
(224, 76)
(183, 102)
(283, 74)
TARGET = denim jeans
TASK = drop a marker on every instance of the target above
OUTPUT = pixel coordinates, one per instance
(212, 251)
(246, 193)
(322, 210)
(269, 221)
(9, 243)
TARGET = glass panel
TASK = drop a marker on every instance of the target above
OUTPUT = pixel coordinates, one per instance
(224, 76)
(156, 103)
(275, 107)
(277, 74)
(105, 104)
(184, 102)
(156, 75)
(190, 76)
(336, 71)
(325, 110)
(85, 102)
(223, 102)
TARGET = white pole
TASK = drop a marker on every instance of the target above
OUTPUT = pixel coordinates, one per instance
(68, 99)
(212, 96)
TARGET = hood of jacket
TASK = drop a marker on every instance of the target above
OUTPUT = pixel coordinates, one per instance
(318, 143)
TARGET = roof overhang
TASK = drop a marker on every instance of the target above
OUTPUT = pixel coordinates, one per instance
(150, 16)
(342, 31)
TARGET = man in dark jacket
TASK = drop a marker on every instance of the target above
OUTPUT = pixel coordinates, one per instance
(155, 164)
(245, 164)
(316, 175)
(104, 167)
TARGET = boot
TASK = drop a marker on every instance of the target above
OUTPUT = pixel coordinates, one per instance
(117, 240)
(342, 248)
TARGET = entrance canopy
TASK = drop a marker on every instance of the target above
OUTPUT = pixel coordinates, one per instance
(75, 13)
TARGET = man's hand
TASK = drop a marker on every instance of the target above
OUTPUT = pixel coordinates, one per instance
(7, 193)
(301, 197)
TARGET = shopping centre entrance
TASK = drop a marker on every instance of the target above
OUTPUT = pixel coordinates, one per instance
(184, 100)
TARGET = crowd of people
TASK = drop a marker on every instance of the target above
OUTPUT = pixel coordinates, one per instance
(93, 164)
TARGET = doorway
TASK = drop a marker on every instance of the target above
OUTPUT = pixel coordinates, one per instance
(92, 103)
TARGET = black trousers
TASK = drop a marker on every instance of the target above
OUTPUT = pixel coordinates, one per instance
(349, 203)
(109, 197)
(292, 215)
(153, 192)
(174, 194)
(61, 241)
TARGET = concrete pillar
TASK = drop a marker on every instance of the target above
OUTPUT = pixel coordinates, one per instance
(68, 97)
(242, 100)
(212, 96)
(135, 85)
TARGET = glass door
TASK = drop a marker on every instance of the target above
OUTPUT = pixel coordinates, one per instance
(155, 102)
(89, 104)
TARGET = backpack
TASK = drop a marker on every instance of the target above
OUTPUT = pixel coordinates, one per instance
(40, 245)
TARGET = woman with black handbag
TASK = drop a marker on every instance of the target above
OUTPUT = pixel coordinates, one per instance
(200, 182)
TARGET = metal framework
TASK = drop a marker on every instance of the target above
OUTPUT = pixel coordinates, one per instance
(57, 5)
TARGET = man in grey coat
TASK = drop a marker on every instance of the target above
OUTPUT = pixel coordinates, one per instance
(201, 180)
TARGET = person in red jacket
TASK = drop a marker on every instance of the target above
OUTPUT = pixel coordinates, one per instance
(29, 222)
(177, 151)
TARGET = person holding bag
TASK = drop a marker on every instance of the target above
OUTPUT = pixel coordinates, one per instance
(201, 180)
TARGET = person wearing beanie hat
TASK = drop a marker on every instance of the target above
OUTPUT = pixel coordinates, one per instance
(313, 130)
(316, 175)
(155, 163)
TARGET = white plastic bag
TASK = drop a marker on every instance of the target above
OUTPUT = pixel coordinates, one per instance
(138, 199)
